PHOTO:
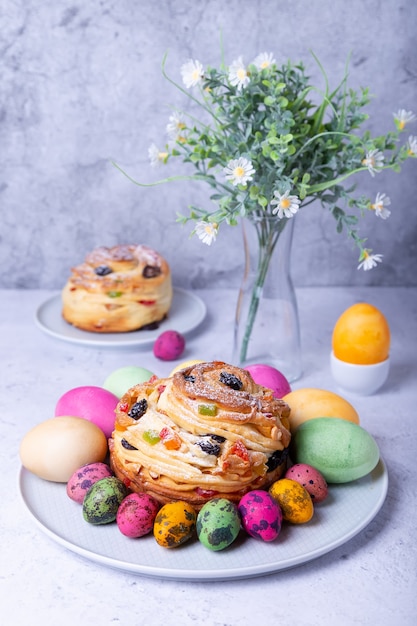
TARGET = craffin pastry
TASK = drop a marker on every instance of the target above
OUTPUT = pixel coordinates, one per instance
(118, 289)
(207, 431)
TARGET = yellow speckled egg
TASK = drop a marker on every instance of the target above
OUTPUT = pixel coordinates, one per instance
(174, 524)
(310, 403)
(294, 500)
(361, 335)
(185, 364)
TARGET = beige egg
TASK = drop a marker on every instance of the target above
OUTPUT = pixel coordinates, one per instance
(54, 449)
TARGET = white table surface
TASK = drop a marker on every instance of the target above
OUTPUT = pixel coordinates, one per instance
(372, 579)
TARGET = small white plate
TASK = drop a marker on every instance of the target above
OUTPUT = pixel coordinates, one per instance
(186, 313)
(347, 510)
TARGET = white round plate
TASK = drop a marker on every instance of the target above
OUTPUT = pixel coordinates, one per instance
(186, 313)
(348, 509)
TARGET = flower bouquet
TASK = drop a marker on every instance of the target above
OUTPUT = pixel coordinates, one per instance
(269, 143)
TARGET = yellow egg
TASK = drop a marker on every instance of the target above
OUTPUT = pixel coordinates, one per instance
(309, 403)
(54, 449)
(185, 364)
(294, 500)
(361, 335)
(174, 524)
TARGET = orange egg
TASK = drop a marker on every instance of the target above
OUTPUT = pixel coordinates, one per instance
(308, 403)
(361, 335)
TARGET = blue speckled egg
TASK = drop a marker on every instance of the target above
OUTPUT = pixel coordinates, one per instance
(218, 524)
(261, 515)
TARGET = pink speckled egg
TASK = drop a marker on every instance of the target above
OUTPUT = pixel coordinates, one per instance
(136, 515)
(261, 515)
(311, 479)
(269, 377)
(94, 404)
(84, 477)
(169, 345)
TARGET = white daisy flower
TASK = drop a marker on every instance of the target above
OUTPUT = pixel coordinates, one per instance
(264, 60)
(368, 260)
(374, 161)
(207, 232)
(239, 171)
(286, 205)
(402, 118)
(176, 127)
(238, 74)
(412, 145)
(380, 204)
(192, 73)
(156, 157)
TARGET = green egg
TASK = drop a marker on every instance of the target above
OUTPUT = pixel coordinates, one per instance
(122, 379)
(342, 451)
(103, 499)
(218, 524)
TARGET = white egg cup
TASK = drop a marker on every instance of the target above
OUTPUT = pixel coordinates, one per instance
(362, 380)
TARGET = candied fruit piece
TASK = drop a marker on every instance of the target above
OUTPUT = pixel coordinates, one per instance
(207, 409)
(170, 439)
(151, 436)
(114, 294)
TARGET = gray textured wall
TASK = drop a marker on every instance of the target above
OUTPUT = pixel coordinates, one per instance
(81, 84)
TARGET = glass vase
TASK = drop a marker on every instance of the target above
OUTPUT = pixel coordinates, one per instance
(267, 329)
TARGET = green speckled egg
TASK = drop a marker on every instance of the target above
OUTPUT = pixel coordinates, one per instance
(218, 524)
(103, 499)
(342, 451)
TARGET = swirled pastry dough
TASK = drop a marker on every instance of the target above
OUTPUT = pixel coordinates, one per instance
(118, 289)
(208, 431)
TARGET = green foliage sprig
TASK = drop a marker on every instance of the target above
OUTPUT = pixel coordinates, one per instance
(269, 142)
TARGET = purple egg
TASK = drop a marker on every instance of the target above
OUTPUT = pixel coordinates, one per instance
(261, 515)
(94, 404)
(269, 377)
(136, 515)
(169, 345)
(84, 477)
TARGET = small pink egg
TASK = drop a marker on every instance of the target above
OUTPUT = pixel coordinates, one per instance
(94, 404)
(136, 515)
(169, 345)
(311, 479)
(84, 477)
(261, 515)
(269, 377)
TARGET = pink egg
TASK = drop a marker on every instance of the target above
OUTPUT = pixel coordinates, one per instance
(84, 477)
(311, 479)
(169, 345)
(136, 515)
(261, 515)
(269, 377)
(94, 404)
